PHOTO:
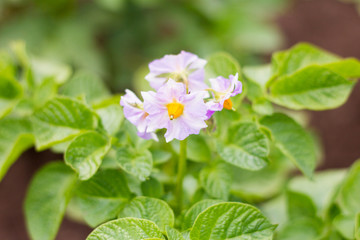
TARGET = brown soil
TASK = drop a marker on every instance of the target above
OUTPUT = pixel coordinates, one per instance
(327, 23)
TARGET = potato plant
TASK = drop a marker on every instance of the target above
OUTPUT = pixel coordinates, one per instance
(222, 144)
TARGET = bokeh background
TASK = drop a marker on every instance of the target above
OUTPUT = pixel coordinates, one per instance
(117, 38)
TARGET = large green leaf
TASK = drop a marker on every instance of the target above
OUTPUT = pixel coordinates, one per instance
(247, 147)
(15, 137)
(111, 116)
(221, 64)
(127, 229)
(257, 186)
(300, 205)
(134, 162)
(86, 84)
(152, 188)
(300, 56)
(85, 153)
(195, 210)
(102, 197)
(293, 141)
(321, 188)
(173, 234)
(216, 180)
(47, 198)
(10, 93)
(151, 209)
(301, 229)
(59, 120)
(230, 221)
(345, 225)
(314, 88)
(350, 192)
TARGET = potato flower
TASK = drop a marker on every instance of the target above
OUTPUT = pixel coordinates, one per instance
(184, 67)
(171, 107)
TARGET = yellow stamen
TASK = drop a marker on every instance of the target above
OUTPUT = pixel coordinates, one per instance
(228, 104)
(175, 110)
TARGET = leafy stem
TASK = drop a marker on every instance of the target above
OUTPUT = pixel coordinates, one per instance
(180, 175)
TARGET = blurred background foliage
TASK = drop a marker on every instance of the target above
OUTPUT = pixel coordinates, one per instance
(114, 38)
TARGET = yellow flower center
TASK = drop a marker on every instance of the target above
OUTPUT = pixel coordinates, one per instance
(228, 104)
(175, 110)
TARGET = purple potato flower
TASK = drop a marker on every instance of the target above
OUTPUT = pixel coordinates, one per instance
(171, 107)
(134, 112)
(222, 89)
(184, 67)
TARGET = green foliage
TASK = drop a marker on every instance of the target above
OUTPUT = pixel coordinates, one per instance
(127, 229)
(242, 221)
(221, 64)
(216, 180)
(246, 148)
(245, 155)
(61, 119)
(151, 209)
(103, 196)
(293, 141)
(173, 234)
(195, 210)
(85, 153)
(309, 78)
(15, 137)
(350, 193)
(46, 200)
(134, 162)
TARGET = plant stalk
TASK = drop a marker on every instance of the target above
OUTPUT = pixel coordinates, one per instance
(180, 175)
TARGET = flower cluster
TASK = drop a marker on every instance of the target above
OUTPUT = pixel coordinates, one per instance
(182, 101)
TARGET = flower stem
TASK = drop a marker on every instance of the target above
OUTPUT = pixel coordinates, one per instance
(180, 175)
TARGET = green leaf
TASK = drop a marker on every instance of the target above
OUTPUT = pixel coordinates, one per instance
(301, 56)
(345, 225)
(231, 220)
(151, 209)
(135, 162)
(86, 84)
(314, 88)
(299, 206)
(293, 141)
(247, 147)
(348, 68)
(10, 93)
(195, 210)
(127, 229)
(301, 229)
(102, 197)
(257, 186)
(59, 120)
(197, 148)
(257, 78)
(216, 180)
(152, 188)
(350, 192)
(173, 234)
(160, 156)
(15, 138)
(47, 198)
(85, 153)
(321, 188)
(43, 69)
(46, 91)
(221, 64)
(111, 117)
